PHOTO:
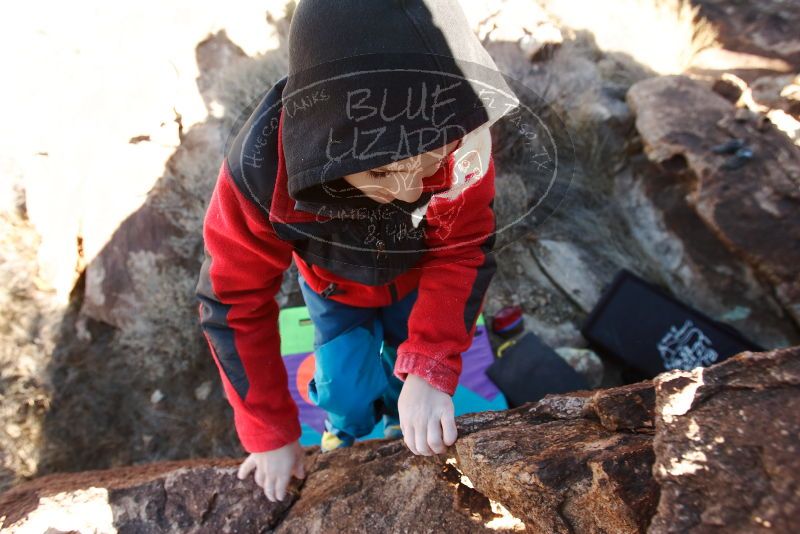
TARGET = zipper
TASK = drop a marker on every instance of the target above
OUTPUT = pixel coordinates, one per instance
(381, 254)
(328, 291)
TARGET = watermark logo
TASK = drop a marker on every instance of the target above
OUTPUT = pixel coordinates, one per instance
(404, 150)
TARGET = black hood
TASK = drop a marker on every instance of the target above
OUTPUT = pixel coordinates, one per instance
(375, 81)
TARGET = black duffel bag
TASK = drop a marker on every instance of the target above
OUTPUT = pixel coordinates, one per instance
(643, 326)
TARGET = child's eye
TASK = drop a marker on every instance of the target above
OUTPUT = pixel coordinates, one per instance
(378, 174)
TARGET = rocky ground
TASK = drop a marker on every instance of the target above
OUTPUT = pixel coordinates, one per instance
(102, 361)
(687, 452)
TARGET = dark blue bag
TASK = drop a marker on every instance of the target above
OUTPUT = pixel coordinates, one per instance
(641, 325)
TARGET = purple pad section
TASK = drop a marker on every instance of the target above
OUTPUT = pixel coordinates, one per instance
(475, 361)
(311, 415)
(473, 377)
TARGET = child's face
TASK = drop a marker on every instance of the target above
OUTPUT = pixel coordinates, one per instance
(401, 179)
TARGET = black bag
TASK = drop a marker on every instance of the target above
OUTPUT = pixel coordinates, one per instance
(527, 370)
(640, 324)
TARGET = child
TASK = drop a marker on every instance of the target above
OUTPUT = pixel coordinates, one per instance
(370, 166)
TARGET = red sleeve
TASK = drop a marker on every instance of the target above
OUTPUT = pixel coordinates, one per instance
(242, 272)
(457, 270)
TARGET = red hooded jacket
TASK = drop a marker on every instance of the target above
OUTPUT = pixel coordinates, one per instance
(244, 269)
(261, 216)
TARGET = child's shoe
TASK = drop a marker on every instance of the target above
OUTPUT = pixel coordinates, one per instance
(391, 427)
(331, 441)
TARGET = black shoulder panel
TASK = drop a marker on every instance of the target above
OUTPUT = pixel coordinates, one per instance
(253, 152)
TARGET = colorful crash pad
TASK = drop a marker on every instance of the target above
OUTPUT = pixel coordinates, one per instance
(475, 392)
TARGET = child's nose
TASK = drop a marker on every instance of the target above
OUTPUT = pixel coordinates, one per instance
(409, 189)
(408, 195)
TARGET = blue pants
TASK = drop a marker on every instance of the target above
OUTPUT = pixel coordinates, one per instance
(355, 350)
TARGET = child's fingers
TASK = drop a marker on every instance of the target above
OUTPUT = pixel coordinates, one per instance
(281, 483)
(449, 427)
(261, 474)
(408, 437)
(299, 469)
(435, 436)
(421, 441)
(247, 466)
(269, 487)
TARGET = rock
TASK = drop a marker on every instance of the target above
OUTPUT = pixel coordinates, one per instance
(547, 311)
(214, 54)
(727, 90)
(583, 249)
(576, 405)
(585, 362)
(382, 487)
(565, 266)
(768, 99)
(81, 175)
(628, 407)
(766, 28)
(156, 397)
(560, 333)
(553, 463)
(778, 92)
(727, 453)
(159, 240)
(152, 256)
(202, 391)
(142, 280)
(159, 497)
(542, 41)
(583, 462)
(567, 476)
(691, 262)
(712, 62)
(712, 228)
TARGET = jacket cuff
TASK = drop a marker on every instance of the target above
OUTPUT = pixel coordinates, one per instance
(436, 373)
(271, 440)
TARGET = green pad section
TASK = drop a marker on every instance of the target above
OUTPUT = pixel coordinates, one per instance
(297, 330)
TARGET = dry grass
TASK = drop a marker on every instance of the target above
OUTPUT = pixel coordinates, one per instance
(663, 35)
(27, 318)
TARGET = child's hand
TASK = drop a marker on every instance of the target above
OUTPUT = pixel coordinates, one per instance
(426, 417)
(274, 469)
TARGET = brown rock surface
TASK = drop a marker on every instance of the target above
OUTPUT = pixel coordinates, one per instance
(694, 265)
(159, 236)
(554, 465)
(175, 496)
(724, 455)
(565, 475)
(381, 487)
(767, 28)
(753, 211)
(727, 446)
(625, 408)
